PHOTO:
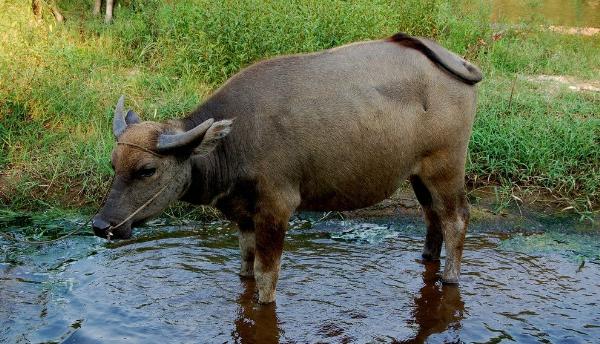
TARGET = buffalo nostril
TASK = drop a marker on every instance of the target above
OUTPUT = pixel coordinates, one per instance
(100, 226)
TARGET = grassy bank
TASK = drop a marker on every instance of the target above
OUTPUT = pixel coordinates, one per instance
(59, 83)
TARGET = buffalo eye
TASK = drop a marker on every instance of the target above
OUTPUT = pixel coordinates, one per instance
(145, 172)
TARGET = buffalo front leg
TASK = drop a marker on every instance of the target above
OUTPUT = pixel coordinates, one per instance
(270, 225)
(247, 248)
(270, 233)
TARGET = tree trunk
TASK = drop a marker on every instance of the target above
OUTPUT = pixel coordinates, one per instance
(36, 6)
(56, 12)
(97, 5)
(109, 11)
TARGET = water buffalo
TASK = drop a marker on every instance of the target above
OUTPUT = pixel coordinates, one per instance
(338, 129)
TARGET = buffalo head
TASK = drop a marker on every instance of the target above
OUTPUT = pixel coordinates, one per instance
(150, 158)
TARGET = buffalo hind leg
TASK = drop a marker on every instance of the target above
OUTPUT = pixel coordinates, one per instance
(454, 225)
(443, 177)
(434, 238)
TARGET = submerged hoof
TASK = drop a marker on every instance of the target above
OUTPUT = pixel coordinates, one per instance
(246, 274)
(266, 297)
(265, 301)
(451, 272)
(247, 269)
(430, 257)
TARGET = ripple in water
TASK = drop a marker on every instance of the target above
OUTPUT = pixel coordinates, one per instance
(341, 282)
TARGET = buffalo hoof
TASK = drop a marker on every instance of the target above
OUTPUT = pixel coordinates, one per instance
(451, 273)
(266, 299)
(449, 278)
(247, 269)
(450, 281)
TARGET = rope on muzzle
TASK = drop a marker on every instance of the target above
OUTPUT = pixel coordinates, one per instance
(148, 202)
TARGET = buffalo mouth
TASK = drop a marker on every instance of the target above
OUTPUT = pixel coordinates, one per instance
(122, 232)
(105, 230)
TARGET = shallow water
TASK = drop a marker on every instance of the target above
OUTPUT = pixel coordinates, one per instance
(342, 281)
(579, 13)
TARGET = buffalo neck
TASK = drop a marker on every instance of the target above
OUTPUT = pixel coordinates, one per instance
(213, 174)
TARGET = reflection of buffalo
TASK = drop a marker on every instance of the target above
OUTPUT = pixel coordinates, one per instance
(339, 129)
(255, 323)
(438, 307)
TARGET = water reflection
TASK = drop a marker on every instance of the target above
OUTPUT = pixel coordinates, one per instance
(438, 308)
(255, 323)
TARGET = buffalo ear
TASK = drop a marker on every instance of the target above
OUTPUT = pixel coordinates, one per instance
(132, 118)
(213, 136)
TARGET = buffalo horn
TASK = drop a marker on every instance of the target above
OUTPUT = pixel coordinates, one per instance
(119, 124)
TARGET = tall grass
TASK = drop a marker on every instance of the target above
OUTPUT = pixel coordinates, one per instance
(59, 83)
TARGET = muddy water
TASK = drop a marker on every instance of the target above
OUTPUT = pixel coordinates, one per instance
(579, 13)
(343, 281)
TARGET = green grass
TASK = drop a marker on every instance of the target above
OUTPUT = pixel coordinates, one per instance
(59, 83)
